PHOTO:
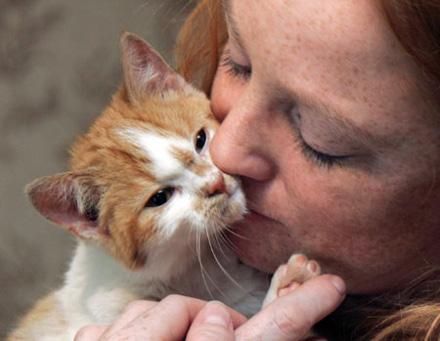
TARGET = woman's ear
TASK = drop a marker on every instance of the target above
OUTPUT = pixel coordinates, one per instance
(70, 200)
(145, 71)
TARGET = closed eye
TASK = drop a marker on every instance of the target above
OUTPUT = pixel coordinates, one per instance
(233, 68)
(321, 158)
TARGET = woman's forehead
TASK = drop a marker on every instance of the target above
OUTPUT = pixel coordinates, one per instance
(342, 44)
(357, 28)
(339, 53)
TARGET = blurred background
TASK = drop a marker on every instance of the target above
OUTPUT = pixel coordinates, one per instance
(59, 65)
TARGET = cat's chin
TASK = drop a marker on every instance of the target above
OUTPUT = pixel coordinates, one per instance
(228, 209)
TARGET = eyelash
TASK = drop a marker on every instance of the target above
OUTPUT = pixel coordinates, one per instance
(324, 160)
(235, 69)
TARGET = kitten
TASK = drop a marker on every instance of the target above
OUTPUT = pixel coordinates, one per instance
(147, 205)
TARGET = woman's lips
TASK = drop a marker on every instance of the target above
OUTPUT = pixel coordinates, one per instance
(254, 215)
(254, 225)
(255, 240)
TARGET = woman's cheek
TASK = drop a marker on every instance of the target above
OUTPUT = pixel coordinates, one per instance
(321, 198)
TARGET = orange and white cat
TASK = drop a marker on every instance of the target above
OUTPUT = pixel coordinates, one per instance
(147, 205)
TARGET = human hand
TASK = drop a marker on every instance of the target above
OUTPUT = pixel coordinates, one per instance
(289, 317)
(170, 319)
(292, 316)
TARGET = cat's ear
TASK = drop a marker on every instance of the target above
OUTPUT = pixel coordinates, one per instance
(70, 200)
(145, 72)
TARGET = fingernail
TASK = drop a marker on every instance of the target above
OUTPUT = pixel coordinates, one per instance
(312, 266)
(339, 284)
(217, 315)
(289, 289)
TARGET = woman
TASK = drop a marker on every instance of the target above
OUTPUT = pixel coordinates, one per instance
(330, 113)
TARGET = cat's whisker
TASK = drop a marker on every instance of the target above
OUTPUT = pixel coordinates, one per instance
(223, 234)
(203, 272)
(206, 273)
(219, 243)
(232, 251)
(235, 233)
(220, 291)
(220, 265)
(222, 241)
(227, 241)
(190, 241)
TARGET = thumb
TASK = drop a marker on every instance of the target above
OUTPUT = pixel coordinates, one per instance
(213, 322)
(290, 317)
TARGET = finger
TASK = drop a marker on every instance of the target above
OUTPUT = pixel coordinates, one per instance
(182, 311)
(170, 319)
(167, 320)
(90, 333)
(213, 322)
(131, 312)
(292, 316)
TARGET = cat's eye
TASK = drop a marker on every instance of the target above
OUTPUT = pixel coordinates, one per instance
(160, 197)
(200, 140)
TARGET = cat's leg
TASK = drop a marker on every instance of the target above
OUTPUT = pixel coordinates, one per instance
(289, 276)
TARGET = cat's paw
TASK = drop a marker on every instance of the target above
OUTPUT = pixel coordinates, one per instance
(291, 275)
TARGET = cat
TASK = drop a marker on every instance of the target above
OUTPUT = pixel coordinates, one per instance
(147, 205)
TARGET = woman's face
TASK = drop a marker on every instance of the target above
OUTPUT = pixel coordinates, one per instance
(324, 119)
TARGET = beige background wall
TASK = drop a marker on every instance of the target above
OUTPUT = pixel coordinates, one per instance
(59, 64)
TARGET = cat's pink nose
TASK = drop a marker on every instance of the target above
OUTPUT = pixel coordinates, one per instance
(216, 187)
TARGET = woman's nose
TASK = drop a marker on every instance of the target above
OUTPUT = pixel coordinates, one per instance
(238, 147)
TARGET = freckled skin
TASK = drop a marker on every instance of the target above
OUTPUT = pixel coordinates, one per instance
(373, 221)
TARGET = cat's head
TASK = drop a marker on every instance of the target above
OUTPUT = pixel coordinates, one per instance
(142, 175)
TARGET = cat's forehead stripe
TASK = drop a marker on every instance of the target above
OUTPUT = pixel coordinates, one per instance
(159, 149)
(186, 158)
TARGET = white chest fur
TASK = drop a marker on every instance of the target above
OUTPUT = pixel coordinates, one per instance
(98, 288)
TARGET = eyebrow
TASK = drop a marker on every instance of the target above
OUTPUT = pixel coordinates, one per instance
(340, 122)
(232, 24)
